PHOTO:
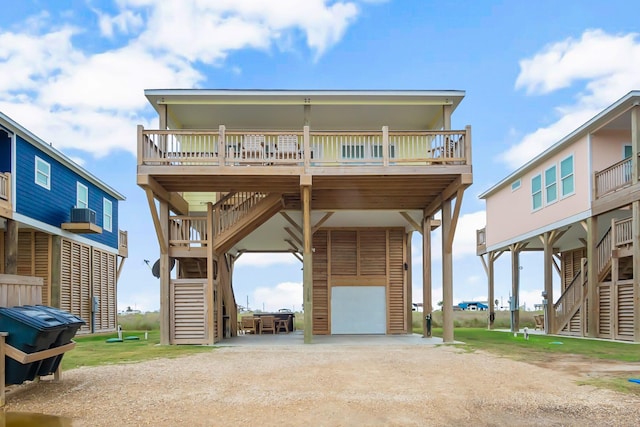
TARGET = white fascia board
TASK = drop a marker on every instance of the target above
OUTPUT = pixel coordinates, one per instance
(549, 227)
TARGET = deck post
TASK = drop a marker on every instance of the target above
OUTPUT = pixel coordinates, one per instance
(592, 273)
(385, 145)
(426, 274)
(11, 247)
(165, 278)
(547, 241)
(209, 303)
(514, 305)
(307, 263)
(2, 368)
(447, 272)
(222, 146)
(491, 290)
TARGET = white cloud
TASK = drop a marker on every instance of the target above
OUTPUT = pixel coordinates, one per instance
(266, 259)
(607, 64)
(92, 101)
(283, 295)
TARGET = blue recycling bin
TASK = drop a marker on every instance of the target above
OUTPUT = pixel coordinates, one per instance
(72, 323)
(30, 331)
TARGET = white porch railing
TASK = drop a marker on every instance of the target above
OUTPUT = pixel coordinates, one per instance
(309, 148)
(613, 178)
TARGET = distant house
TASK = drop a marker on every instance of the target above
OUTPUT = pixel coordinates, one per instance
(473, 306)
(58, 222)
(577, 203)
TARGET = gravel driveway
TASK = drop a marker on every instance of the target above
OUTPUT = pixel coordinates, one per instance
(326, 385)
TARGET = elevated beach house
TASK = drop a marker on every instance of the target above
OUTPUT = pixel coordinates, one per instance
(578, 203)
(339, 179)
(58, 231)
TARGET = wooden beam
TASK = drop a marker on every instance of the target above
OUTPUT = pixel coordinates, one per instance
(489, 268)
(322, 221)
(291, 221)
(166, 325)
(427, 307)
(548, 239)
(295, 254)
(635, 227)
(122, 259)
(162, 240)
(224, 199)
(11, 247)
(294, 236)
(454, 219)
(3, 336)
(464, 180)
(209, 291)
(411, 221)
(307, 254)
(293, 245)
(592, 276)
(447, 273)
(176, 203)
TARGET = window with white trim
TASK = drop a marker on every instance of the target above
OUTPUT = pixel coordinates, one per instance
(566, 177)
(107, 215)
(515, 185)
(536, 192)
(43, 173)
(550, 185)
(82, 196)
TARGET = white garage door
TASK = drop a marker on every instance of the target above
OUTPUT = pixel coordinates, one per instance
(358, 310)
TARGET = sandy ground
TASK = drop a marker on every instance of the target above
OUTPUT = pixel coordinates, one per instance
(330, 386)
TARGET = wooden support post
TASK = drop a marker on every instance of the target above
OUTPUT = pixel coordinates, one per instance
(446, 116)
(426, 274)
(515, 287)
(209, 292)
(491, 290)
(165, 277)
(222, 146)
(11, 247)
(3, 336)
(592, 273)
(548, 240)
(56, 265)
(447, 271)
(385, 145)
(307, 263)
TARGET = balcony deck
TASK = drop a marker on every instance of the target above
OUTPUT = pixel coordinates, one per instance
(614, 188)
(349, 170)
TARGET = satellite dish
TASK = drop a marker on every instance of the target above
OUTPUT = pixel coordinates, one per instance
(155, 270)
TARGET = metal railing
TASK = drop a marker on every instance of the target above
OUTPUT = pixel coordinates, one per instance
(613, 178)
(304, 148)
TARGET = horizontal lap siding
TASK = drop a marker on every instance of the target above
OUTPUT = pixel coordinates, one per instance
(373, 251)
(604, 321)
(188, 302)
(320, 284)
(625, 312)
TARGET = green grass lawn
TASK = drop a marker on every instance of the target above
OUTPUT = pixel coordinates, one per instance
(94, 350)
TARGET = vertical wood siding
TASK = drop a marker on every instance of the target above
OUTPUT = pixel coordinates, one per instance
(104, 287)
(34, 253)
(625, 317)
(396, 283)
(320, 284)
(571, 265)
(604, 321)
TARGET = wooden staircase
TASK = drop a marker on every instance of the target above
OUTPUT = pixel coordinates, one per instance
(570, 310)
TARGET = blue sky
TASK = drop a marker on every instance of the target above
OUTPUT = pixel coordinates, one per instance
(74, 71)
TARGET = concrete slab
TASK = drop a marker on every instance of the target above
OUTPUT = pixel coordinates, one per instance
(297, 338)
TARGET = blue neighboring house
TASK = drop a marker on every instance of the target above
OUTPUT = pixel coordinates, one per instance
(60, 223)
(473, 306)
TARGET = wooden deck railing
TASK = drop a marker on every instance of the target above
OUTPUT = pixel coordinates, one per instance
(613, 178)
(241, 204)
(481, 241)
(188, 231)
(303, 147)
(604, 252)
(123, 243)
(623, 233)
(618, 235)
(573, 295)
(5, 186)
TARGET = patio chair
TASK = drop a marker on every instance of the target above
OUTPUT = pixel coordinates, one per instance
(248, 324)
(287, 147)
(253, 148)
(268, 324)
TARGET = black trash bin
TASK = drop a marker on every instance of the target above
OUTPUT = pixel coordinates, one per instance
(30, 331)
(72, 323)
